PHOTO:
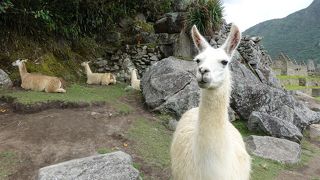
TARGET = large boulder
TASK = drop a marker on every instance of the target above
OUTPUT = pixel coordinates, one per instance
(171, 23)
(280, 150)
(170, 85)
(5, 81)
(116, 165)
(270, 125)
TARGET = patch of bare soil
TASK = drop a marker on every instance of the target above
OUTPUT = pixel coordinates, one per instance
(56, 135)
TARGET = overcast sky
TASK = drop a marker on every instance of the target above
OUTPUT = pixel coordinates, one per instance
(247, 13)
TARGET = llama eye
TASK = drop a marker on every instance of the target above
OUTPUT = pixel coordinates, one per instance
(197, 61)
(224, 62)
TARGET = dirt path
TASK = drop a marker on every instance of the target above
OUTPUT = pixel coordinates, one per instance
(311, 171)
(56, 135)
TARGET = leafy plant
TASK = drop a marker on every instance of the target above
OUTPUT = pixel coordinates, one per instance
(206, 15)
(71, 18)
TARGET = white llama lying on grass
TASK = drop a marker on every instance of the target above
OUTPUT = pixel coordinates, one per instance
(98, 78)
(135, 82)
(38, 82)
(206, 146)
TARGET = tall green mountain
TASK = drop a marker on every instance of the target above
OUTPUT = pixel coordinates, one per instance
(297, 35)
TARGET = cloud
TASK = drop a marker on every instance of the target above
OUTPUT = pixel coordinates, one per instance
(247, 13)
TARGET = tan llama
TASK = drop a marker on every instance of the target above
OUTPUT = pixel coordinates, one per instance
(38, 82)
(98, 78)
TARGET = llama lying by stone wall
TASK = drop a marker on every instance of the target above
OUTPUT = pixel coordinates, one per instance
(206, 146)
(135, 82)
(98, 78)
(38, 82)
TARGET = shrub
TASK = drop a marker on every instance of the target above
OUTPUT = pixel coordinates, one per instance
(73, 18)
(206, 15)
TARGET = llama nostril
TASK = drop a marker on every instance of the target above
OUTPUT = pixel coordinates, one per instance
(203, 70)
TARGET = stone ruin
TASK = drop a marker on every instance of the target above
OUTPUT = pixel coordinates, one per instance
(284, 65)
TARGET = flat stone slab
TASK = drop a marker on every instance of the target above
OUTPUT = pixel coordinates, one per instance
(111, 166)
(280, 150)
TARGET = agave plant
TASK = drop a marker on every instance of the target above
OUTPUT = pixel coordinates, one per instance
(206, 15)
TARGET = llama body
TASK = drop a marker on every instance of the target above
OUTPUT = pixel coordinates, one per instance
(98, 78)
(206, 146)
(38, 82)
(135, 82)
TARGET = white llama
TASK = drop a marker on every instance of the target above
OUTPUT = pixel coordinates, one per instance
(206, 146)
(135, 82)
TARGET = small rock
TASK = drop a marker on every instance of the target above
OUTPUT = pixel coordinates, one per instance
(154, 58)
(314, 131)
(280, 150)
(94, 113)
(172, 124)
(5, 81)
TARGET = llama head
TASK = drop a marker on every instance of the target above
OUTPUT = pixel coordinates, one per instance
(212, 64)
(19, 62)
(85, 63)
(113, 79)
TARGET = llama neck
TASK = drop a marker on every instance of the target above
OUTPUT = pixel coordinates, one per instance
(23, 70)
(134, 76)
(213, 112)
(88, 70)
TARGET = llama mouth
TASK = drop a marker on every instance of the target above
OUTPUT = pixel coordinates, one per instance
(202, 84)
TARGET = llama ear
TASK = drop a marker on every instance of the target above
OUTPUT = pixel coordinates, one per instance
(232, 41)
(199, 41)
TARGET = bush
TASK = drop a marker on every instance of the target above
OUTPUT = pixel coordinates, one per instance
(206, 15)
(73, 18)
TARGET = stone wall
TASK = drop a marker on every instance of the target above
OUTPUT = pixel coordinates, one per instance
(122, 61)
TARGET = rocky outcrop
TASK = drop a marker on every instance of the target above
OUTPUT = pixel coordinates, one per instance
(116, 165)
(171, 23)
(5, 81)
(280, 150)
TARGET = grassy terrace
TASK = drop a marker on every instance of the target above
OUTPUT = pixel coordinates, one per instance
(298, 77)
(295, 87)
(75, 93)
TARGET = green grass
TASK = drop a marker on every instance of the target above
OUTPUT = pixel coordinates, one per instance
(298, 77)
(103, 150)
(7, 161)
(75, 93)
(296, 87)
(152, 141)
(243, 129)
(122, 108)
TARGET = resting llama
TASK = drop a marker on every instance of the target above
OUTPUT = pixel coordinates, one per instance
(206, 146)
(98, 78)
(38, 82)
(135, 82)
